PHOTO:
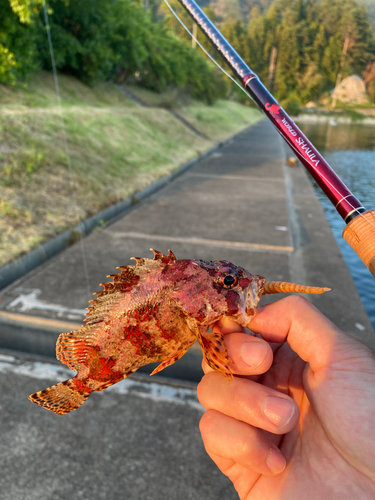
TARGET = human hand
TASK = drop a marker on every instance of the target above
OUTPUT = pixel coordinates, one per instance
(298, 420)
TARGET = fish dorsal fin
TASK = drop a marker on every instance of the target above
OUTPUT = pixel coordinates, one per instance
(144, 261)
(113, 291)
(166, 259)
(74, 347)
(140, 261)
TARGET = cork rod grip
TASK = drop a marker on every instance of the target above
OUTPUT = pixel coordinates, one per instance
(360, 234)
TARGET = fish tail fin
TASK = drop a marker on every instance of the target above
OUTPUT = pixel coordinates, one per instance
(61, 398)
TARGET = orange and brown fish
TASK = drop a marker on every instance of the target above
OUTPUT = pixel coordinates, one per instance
(154, 312)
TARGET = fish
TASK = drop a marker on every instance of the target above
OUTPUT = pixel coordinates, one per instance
(154, 311)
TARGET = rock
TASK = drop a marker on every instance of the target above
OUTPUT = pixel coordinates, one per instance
(292, 161)
(351, 90)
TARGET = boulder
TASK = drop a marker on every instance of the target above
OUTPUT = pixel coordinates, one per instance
(352, 90)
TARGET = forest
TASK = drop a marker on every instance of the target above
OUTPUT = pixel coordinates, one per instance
(297, 47)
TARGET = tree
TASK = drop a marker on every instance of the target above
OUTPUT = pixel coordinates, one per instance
(310, 41)
(288, 64)
(18, 54)
(96, 40)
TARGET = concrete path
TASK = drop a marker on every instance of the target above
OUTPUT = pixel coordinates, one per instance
(240, 204)
(138, 441)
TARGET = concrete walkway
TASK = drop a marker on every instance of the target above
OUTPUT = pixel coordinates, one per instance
(240, 204)
(138, 441)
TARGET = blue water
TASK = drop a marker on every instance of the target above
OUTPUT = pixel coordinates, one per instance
(350, 150)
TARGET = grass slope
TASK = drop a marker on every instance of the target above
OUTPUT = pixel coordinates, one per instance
(58, 168)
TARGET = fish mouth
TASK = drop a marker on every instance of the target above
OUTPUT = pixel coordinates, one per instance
(250, 299)
(254, 293)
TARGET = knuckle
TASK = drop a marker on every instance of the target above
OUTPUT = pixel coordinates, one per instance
(239, 400)
(207, 422)
(201, 391)
(204, 390)
(297, 301)
(243, 448)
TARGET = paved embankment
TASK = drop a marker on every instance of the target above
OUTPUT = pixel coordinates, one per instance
(137, 441)
(240, 204)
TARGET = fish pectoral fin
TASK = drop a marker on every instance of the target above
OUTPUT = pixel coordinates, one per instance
(215, 352)
(169, 361)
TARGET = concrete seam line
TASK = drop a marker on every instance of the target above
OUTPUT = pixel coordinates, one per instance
(202, 241)
(236, 178)
(158, 391)
(22, 265)
(47, 325)
(36, 322)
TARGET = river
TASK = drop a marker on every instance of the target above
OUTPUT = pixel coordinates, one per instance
(350, 150)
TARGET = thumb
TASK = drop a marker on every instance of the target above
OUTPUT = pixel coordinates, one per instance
(308, 332)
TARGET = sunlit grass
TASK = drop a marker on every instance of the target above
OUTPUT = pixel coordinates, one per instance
(59, 168)
(40, 92)
(221, 120)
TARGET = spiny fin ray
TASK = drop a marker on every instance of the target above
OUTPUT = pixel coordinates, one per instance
(72, 348)
(215, 353)
(169, 362)
(166, 259)
(113, 291)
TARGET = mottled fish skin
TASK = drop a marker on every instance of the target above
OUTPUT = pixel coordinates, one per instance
(152, 312)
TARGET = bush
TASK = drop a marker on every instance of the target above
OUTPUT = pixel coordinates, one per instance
(18, 54)
(96, 40)
(291, 105)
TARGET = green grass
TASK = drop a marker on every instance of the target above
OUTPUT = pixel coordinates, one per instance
(59, 168)
(40, 92)
(168, 99)
(355, 112)
(221, 120)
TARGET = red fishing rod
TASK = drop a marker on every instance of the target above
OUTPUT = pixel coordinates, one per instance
(360, 229)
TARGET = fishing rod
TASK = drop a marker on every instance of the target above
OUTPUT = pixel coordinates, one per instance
(360, 229)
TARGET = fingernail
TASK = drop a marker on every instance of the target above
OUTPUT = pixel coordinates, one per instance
(279, 411)
(276, 461)
(253, 353)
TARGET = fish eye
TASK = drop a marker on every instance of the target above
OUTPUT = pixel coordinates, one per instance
(229, 281)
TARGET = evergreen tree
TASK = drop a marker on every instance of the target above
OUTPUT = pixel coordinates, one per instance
(319, 45)
(314, 44)
(288, 63)
(299, 47)
(256, 40)
(234, 32)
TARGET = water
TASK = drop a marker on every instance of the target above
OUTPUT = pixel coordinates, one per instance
(350, 150)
